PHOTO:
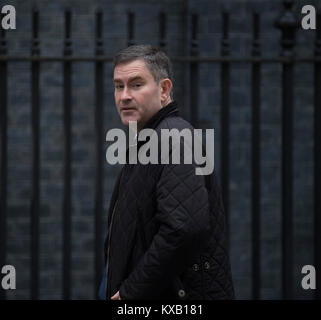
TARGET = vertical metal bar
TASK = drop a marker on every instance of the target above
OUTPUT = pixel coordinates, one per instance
(186, 74)
(35, 68)
(317, 160)
(162, 31)
(225, 90)
(256, 94)
(287, 181)
(3, 153)
(130, 28)
(99, 85)
(194, 81)
(67, 161)
(287, 24)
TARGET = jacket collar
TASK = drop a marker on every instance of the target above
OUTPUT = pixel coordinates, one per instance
(169, 110)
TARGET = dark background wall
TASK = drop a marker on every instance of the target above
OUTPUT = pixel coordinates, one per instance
(83, 99)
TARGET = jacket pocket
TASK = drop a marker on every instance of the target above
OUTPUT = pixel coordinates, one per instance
(133, 256)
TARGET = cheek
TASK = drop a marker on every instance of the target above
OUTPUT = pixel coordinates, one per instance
(117, 102)
(117, 98)
(150, 96)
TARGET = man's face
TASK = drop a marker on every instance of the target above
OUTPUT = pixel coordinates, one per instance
(137, 95)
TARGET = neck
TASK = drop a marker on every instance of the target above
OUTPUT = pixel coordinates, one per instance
(164, 104)
(167, 101)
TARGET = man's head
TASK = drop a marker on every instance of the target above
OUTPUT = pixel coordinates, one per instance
(143, 83)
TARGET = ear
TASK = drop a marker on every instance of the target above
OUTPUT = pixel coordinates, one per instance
(166, 88)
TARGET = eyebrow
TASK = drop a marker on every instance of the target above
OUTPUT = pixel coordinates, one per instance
(130, 79)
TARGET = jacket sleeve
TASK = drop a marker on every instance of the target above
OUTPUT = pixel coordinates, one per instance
(183, 215)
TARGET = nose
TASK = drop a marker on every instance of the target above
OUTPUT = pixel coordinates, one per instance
(125, 95)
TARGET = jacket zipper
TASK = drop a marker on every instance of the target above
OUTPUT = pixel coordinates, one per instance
(108, 248)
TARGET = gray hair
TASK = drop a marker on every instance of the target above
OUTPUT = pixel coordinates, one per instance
(157, 62)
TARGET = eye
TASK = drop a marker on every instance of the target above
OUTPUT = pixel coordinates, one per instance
(137, 84)
(118, 86)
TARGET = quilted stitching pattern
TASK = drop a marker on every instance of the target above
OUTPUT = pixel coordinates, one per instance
(166, 221)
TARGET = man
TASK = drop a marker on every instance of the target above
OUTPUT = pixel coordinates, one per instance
(166, 225)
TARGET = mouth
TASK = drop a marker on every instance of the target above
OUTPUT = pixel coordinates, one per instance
(127, 109)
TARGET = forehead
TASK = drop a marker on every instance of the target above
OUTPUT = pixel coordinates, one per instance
(126, 71)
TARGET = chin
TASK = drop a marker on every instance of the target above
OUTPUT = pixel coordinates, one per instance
(125, 121)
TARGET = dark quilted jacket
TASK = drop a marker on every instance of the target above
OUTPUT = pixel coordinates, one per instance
(166, 235)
